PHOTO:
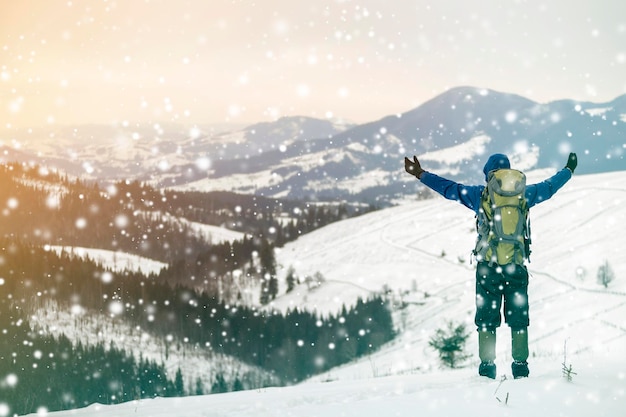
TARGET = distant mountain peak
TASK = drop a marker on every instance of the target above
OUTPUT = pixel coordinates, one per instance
(294, 156)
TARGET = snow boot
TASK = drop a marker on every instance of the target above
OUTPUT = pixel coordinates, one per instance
(520, 369)
(487, 369)
(487, 353)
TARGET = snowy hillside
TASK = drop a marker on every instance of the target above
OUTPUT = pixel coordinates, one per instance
(115, 261)
(420, 252)
(427, 245)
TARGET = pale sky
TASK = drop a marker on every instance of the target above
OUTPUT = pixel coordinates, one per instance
(212, 61)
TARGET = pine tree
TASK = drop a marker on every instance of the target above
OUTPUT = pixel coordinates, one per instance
(199, 387)
(179, 386)
(605, 274)
(290, 279)
(269, 287)
(450, 343)
(237, 385)
(219, 385)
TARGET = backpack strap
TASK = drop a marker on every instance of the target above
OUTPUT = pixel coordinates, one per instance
(482, 228)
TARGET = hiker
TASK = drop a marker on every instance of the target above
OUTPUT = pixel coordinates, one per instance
(501, 273)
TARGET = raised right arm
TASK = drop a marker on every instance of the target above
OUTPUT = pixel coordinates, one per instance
(468, 195)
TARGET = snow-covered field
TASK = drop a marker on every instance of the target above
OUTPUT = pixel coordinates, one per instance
(420, 252)
(119, 261)
(451, 394)
(210, 233)
(113, 260)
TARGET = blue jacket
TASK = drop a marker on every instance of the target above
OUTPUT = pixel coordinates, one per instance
(469, 195)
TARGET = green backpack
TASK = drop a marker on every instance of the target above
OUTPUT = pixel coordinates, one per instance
(502, 220)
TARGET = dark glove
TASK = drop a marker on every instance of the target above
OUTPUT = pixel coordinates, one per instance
(572, 162)
(413, 167)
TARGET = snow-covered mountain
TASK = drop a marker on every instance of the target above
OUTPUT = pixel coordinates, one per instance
(161, 153)
(299, 157)
(419, 253)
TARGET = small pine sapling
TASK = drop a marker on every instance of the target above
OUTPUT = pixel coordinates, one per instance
(450, 343)
(605, 274)
(568, 372)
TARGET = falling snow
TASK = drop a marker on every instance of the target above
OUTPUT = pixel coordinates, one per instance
(166, 93)
(401, 247)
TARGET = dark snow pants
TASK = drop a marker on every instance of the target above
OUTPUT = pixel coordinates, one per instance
(495, 284)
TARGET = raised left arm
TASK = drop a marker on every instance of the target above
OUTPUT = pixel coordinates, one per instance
(538, 193)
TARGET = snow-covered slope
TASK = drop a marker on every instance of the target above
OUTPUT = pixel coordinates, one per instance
(115, 261)
(599, 392)
(426, 245)
(194, 362)
(420, 252)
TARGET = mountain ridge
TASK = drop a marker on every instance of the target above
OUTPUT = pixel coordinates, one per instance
(305, 158)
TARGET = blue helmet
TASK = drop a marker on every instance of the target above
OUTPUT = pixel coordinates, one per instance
(495, 162)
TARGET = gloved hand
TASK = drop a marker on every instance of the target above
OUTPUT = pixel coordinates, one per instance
(413, 167)
(572, 162)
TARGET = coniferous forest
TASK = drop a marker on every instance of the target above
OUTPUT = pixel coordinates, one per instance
(61, 373)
